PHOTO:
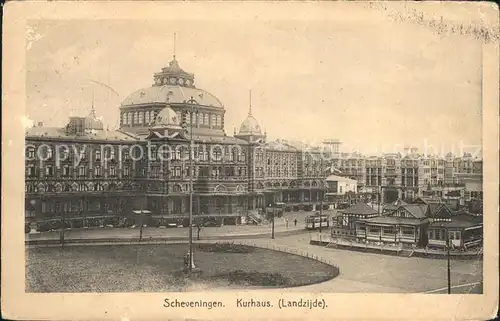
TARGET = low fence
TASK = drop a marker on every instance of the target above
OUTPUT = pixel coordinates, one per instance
(291, 251)
(151, 241)
(393, 250)
(335, 268)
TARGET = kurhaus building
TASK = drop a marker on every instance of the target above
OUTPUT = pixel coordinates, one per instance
(84, 175)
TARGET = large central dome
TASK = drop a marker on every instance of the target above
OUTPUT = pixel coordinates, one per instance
(173, 87)
(173, 94)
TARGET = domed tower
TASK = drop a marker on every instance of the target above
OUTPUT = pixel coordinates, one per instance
(250, 129)
(167, 124)
(92, 122)
(84, 125)
(174, 87)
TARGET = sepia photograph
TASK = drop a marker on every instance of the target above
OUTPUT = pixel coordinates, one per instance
(251, 160)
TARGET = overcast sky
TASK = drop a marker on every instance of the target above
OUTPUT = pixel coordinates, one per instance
(372, 84)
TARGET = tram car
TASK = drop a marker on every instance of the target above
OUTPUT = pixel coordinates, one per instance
(314, 222)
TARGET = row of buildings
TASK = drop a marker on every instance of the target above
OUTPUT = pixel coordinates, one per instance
(85, 175)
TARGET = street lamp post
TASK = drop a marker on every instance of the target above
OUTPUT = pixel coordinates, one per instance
(191, 172)
(448, 259)
(272, 221)
(141, 215)
(141, 222)
(320, 211)
(272, 236)
(63, 225)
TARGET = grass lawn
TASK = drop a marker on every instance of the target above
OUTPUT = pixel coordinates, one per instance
(155, 268)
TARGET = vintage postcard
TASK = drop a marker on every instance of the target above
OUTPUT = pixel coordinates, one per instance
(250, 160)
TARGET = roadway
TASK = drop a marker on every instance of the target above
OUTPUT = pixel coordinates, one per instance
(376, 273)
(359, 272)
(280, 227)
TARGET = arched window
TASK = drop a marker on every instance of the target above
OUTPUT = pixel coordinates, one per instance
(201, 118)
(136, 118)
(97, 171)
(214, 120)
(205, 120)
(124, 118)
(218, 123)
(141, 117)
(129, 118)
(217, 153)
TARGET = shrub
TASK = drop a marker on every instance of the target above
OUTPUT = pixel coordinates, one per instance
(225, 248)
(255, 278)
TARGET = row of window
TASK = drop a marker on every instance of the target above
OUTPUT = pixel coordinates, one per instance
(201, 154)
(433, 163)
(204, 119)
(47, 152)
(409, 182)
(440, 235)
(49, 171)
(313, 172)
(389, 163)
(280, 172)
(374, 181)
(58, 188)
(141, 117)
(200, 171)
(149, 117)
(407, 231)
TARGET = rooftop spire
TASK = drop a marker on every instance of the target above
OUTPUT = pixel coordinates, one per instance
(174, 44)
(250, 104)
(92, 110)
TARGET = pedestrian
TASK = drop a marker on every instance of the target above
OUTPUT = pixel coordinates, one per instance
(199, 230)
(186, 260)
(286, 222)
(295, 221)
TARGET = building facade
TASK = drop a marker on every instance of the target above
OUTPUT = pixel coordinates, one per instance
(84, 175)
(410, 175)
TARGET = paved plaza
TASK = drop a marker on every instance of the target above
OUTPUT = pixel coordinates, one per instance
(376, 273)
(360, 272)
